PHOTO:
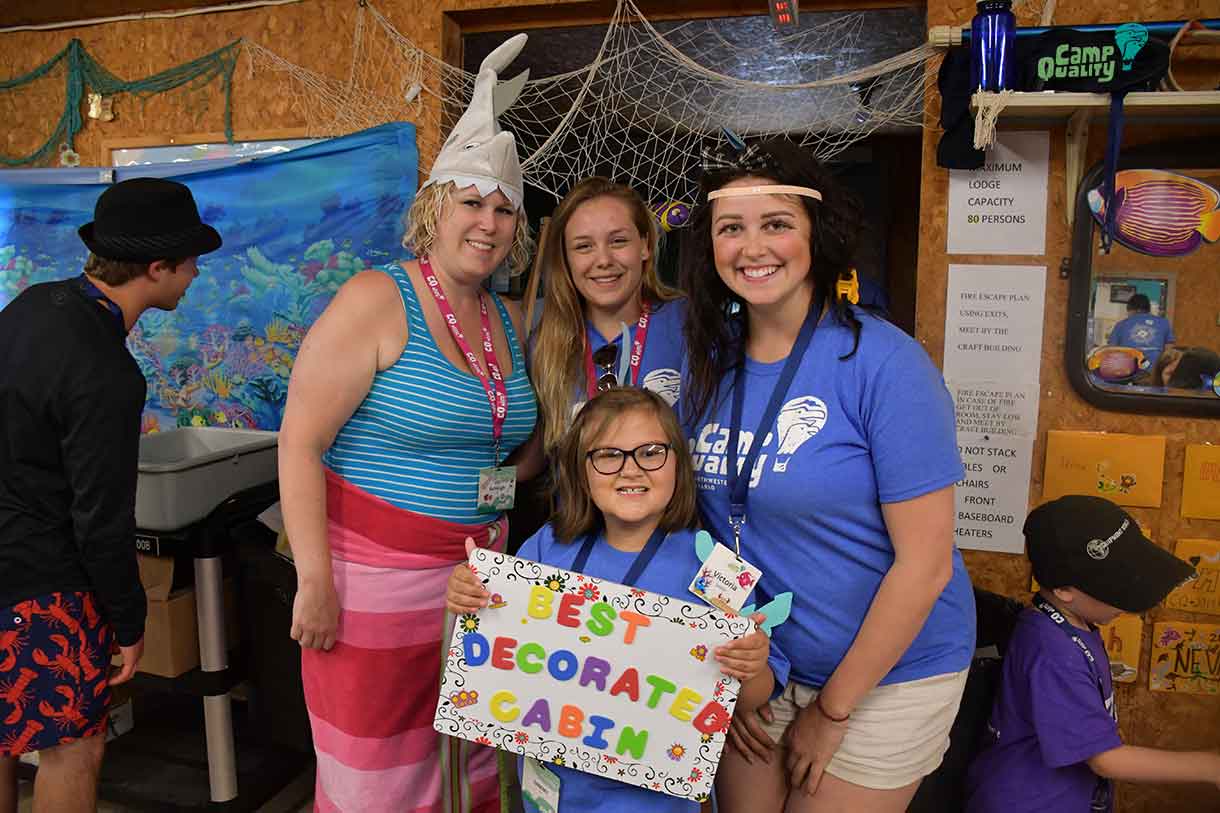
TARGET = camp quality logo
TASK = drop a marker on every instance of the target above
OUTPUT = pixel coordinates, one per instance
(1078, 62)
(1095, 61)
(665, 382)
(799, 420)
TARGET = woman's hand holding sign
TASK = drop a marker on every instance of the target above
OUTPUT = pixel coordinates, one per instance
(465, 593)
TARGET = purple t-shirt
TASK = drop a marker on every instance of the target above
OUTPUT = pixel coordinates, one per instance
(1048, 719)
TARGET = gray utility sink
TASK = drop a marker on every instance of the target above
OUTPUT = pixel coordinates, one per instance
(186, 472)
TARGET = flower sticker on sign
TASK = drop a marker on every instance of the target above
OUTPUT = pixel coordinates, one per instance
(592, 675)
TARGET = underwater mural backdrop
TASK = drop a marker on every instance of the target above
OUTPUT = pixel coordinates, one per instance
(296, 226)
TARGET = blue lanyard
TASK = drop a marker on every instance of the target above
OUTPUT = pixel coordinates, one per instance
(1055, 616)
(93, 292)
(637, 567)
(739, 478)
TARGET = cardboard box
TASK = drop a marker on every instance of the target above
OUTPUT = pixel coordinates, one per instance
(171, 633)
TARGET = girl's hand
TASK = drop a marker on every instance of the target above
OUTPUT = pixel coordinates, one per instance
(748, 736)
(746, 657)
(812, 739)
(465, 593)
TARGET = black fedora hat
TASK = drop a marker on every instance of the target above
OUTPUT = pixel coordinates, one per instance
(148, 219)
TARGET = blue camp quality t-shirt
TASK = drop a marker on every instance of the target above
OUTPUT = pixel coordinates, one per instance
(1050, 716)
(664, 349)
(1144, 332)
(851, 434)
(670, 573)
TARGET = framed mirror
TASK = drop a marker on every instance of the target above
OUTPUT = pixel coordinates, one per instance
(1143, 331)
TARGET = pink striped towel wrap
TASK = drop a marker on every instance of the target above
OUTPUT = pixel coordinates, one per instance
(372, 697)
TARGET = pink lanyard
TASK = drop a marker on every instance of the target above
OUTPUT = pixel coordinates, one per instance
(637, 354)
(497, 391)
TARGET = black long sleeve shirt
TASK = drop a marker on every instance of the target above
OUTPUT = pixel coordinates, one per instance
(71, 398)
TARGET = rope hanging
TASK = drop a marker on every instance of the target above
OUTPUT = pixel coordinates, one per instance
(83, 71)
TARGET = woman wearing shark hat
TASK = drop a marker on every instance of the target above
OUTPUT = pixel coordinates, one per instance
(406, 397)
(845, 492)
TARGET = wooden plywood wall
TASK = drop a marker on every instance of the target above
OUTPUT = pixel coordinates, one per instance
(1156, 720)
(317, 34)
(314, 34)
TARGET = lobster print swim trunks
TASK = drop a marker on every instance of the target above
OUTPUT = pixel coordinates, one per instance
(54, 672)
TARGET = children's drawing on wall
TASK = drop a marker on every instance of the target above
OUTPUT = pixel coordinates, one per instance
(1123, 637)
(1125, 469)
(1185, 658)
(1202, 594)
(1201, 482)
(296, 226)
(1107, 485)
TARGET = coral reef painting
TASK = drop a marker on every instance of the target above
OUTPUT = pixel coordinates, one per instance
(295, 226)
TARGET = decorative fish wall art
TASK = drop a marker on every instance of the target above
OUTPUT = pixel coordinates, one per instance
(1160, 213)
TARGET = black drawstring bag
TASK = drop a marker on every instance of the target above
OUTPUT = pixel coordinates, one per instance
(1118, 61)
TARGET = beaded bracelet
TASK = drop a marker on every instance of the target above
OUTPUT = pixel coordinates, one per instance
(817, 704)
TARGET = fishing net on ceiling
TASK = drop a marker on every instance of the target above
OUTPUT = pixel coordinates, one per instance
(23, 97)
(650, 98)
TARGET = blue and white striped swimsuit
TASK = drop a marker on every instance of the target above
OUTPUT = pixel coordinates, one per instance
(423, 432)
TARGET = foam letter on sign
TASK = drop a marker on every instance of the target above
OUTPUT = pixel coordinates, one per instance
(540, 602)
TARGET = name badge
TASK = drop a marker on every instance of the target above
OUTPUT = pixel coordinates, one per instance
(725, 580)
(497, 489)
(539, 787)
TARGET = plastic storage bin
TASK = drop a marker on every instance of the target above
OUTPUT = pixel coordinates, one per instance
(185, 473)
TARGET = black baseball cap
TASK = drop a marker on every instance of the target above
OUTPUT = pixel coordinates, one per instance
(1093, 545)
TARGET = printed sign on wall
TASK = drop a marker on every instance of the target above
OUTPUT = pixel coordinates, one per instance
(1200, 595)
(592, 675)
(1125, 469)
(993, 350)
(1000, 208)
(1201, 482)
(1185, 658)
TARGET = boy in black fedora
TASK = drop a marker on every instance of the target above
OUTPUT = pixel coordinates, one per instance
(71, 398)
(1053, 741)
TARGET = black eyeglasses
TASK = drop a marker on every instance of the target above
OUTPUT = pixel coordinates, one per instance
(604, 359)
(609, 460)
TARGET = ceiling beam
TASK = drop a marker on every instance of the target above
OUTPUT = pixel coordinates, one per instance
(598, 12)
(41, 12)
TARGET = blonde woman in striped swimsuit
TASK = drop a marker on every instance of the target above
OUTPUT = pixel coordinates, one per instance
(409, 384)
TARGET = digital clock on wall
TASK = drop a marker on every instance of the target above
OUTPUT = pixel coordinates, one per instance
(783, 12)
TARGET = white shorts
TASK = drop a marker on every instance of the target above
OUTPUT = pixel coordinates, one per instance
(897, 734)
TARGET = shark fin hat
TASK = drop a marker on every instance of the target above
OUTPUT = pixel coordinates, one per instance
(477, 152)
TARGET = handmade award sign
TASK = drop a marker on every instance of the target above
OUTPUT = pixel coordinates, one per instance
(591, 675)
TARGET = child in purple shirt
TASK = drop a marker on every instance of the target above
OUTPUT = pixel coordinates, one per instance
(1053, 742)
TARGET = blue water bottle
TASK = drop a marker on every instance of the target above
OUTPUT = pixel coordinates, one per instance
(992, 38)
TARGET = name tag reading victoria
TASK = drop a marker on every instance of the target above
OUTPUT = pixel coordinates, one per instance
(591, 675)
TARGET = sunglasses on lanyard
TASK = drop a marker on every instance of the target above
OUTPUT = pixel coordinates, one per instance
(604, 361)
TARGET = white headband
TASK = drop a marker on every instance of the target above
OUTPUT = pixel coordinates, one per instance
(770, 189)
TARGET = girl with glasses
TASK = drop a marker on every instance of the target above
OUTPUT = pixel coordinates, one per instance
(607, 320)
(843, 431)
(626, 493)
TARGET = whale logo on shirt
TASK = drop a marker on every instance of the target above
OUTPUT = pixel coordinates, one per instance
(798, 421)
(1143, 333)
(665, 382)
